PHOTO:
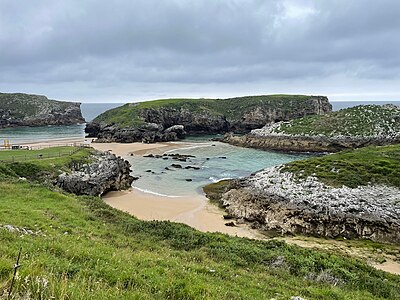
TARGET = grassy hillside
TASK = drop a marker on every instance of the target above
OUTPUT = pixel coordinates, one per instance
(233, 108)
(80, 248)
(362, 120)
(25, 105)
(379, 165)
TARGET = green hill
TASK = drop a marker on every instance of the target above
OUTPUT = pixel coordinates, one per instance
(18, 109)
(233, 108)
(362, 120)
(80, 248)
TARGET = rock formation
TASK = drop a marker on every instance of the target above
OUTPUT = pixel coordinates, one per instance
(168, 120)
(350, 128)
(34, 110)
(107, 173)
(277, 202)
(297, 143)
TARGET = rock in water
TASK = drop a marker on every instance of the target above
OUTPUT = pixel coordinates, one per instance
(107, 173)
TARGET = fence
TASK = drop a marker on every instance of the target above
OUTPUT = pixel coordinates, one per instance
(41, 155)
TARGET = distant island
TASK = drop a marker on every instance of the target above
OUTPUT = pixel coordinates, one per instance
(348, 128)
(17, 109)
(173, 119)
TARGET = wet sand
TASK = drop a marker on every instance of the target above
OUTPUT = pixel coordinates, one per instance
(194, 211)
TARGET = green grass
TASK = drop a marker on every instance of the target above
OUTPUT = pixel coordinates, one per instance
(84, 249)
(362, 120)
(27, 155)
(233, 108)
(352, 168)
(87, 250)
(44, 168)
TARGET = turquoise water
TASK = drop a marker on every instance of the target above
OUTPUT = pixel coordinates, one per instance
(239, 162)
(23, 135)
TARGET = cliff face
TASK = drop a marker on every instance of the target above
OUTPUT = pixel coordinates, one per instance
(276, 202)
(157, 120)
(33, 110)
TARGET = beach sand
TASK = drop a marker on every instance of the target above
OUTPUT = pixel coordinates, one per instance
(194, 210)
(197, 212)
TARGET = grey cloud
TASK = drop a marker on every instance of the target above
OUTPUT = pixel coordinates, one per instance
(115, 44)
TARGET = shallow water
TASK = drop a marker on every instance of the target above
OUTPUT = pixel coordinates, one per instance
(22, 135)
(209, 156)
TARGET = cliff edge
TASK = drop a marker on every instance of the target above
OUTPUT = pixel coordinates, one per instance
(172, 119)
(34, 110)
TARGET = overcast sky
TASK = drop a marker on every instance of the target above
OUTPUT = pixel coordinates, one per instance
(120, 51)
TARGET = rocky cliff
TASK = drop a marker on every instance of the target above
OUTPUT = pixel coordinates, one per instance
(34, 110)
(107, 173)
(355, 127)
(344, 195)
(172, 119)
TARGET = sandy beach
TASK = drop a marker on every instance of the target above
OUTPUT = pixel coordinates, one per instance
(194, 210)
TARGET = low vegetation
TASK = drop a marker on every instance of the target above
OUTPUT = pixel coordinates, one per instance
(233, 108)
(362, 120)
(352, 168)
(80, 248)
(25, 105)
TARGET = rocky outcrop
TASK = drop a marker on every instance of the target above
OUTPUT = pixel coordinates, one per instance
(277, 202)
(107, 173)
(293, 143)
(34, 110)
(350, 128)
(203, 116)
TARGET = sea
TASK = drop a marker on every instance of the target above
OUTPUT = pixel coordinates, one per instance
(214, 160)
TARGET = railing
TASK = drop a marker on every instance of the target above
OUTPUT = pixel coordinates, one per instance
(35, 156)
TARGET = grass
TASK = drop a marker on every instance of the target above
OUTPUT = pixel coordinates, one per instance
(28, 155)
(86, 250)
(82, 248)
(233, 108)
(362, 120)
(352, 168)
(44, 168)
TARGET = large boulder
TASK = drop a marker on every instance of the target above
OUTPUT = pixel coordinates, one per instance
(107, 173)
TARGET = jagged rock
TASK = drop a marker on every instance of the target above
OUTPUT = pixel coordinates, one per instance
(179, 130)
(277, 202)
(176, 166)
(107, 173)
(192, 167)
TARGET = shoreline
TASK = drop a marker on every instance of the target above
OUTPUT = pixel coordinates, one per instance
(192, 210)
(196, 211)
